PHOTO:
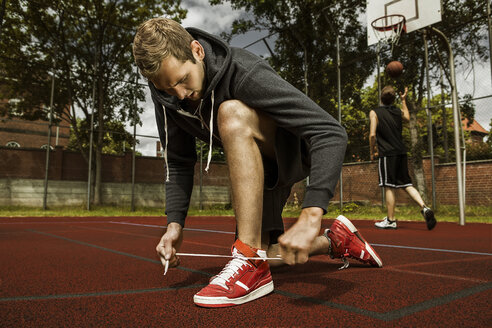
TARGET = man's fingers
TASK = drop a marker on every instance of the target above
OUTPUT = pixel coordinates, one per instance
(163, 260)
(288, 255)
(302, 257)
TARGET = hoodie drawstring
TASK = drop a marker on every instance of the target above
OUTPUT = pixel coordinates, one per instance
(165, 146)
(211, 128)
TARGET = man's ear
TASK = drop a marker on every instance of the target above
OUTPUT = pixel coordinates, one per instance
(197, 50)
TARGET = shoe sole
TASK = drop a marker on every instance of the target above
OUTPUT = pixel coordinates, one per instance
(209, 302)
(394, 228)
(346, 222)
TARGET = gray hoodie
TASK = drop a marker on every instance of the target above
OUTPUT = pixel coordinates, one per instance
(309, 141)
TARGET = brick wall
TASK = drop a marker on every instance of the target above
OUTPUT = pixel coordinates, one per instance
(32, 134)
(360, 180)
(360, 183)
(28, 163)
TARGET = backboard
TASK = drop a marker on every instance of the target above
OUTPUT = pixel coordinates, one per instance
(418, 14)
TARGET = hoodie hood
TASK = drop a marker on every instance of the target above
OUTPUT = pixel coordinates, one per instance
(217, 60)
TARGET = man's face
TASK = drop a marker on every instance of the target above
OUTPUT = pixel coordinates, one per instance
(183, 80)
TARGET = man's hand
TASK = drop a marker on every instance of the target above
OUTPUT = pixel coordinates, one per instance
(403, 96)
(374, 155)
(295, 243)
(169, 244)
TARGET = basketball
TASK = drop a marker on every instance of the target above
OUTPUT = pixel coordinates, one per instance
(394, 69)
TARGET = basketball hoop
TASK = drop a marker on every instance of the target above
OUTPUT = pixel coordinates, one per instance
(389, 28)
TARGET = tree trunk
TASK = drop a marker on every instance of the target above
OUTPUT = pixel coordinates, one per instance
(2, 13)
(416, 149)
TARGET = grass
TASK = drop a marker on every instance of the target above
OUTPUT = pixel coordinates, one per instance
(444, 213)
(81, 211)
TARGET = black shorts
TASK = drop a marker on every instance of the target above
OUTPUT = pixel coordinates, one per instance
(289, 167)
(393, 171)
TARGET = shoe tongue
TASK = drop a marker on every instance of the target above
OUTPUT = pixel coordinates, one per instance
(241, 249)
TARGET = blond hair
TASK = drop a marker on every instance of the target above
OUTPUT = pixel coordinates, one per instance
(157, 39)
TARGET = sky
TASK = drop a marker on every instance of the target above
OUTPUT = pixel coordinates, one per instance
(218, 19)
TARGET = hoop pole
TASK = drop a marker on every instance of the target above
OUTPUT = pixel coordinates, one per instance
(383, 194)
(457, 123)
(429, 121)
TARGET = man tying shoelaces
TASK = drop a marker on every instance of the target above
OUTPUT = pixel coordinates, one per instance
(273, 136)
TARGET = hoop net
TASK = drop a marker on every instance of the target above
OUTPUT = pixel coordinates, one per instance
(389, 28)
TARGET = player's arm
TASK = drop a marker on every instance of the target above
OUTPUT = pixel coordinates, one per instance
(372, 134)
(405, 114)
(181, 155)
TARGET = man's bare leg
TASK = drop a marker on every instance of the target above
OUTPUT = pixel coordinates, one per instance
(246, 134)
(414, 193)
(390, 202)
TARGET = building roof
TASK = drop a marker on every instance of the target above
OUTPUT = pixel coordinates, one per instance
(474, 127)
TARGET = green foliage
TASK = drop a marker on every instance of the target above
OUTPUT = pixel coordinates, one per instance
(305, 43)
(87, 44)
(116, 139)
(350, 208)
(467, 108)
(478, 151)
(218, 154)
(302, 30)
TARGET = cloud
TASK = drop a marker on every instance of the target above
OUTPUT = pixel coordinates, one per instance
(213, 19)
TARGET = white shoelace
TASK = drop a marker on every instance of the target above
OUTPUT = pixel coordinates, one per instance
(230, 269)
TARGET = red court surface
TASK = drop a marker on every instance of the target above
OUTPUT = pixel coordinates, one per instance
(104, 272)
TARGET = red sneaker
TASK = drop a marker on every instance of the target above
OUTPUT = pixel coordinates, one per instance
(242, 280)
(346, 241)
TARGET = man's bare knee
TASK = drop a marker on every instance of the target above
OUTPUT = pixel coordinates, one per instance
(234, 117)
(237, 120)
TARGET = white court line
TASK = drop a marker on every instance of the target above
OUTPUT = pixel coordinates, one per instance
(433, 249)
(379, 245)
(232, 233)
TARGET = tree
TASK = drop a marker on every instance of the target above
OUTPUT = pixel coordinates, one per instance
(305, 51)
(116, 140)
(87, 44)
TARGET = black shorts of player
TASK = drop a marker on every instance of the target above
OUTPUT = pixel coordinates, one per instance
(393, 171)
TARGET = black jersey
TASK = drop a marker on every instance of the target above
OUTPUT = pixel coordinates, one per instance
(388, 132)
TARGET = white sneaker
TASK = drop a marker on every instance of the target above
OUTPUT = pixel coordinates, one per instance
(386, 224)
